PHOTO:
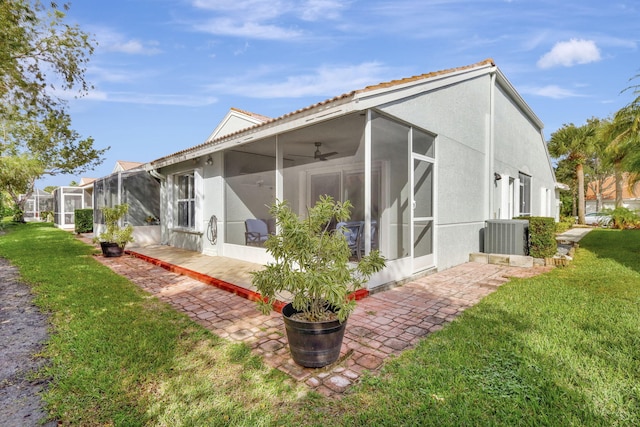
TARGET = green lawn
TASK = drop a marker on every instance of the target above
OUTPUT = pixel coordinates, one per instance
(559, 349)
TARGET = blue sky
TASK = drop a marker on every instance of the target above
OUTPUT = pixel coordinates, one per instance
(165, 72)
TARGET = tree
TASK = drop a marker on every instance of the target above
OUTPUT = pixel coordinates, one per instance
(576, 145)
(627, 121)
(40, 57)
(600, 167)
(566, 173)
(620, 146)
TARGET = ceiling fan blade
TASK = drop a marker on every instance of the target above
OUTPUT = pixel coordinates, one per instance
(326, 156)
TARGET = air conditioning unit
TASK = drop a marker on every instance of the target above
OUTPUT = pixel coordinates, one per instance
(506, 236)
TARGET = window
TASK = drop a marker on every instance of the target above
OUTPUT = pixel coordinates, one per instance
(525, 194)
(186, 201)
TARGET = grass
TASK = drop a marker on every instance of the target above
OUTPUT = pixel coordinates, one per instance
(121, 357)
(559, 349)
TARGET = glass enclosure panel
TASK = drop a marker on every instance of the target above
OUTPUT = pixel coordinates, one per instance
(325, 184)
(317, 157)
(423, 238)
(390, 151)
(46, 203)
(250, 186)
(99, 200)
(57, 217)
(423, 189)
(423, 143)
(142, 193)
(72, 202)
(88, 200)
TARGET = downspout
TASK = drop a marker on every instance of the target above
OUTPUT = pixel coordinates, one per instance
(157, 175)
(491, 150)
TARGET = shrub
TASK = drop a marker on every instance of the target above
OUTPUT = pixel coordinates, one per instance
(18, 215)
(46, 216)
(83, 220)
(564, 224)
(622, 218)
(542, 237)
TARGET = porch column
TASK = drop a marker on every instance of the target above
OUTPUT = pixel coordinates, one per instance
(367, 184)
(279, 167)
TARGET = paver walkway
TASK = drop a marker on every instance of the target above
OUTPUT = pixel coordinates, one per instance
(383, 324)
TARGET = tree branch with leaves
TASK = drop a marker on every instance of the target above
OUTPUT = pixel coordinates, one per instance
(41, 57)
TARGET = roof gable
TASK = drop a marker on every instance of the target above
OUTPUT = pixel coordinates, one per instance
(236, 120)
(122, 165)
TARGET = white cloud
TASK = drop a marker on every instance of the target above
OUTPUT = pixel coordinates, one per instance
(551, 91)
(180, 100)
(570, 53)
(112, 75)
(112, 41)
(256, 30)
(327, 80)
(264, 19)
(317, 10)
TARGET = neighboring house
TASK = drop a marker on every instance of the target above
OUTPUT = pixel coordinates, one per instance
(39, 201)
(130, 183)
(630, 195)
(425, 160)
(122, 165)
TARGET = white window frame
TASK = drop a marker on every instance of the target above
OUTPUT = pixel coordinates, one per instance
(194, 218)
(524, 185)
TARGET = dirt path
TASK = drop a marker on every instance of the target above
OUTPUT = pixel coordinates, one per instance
(23, 329)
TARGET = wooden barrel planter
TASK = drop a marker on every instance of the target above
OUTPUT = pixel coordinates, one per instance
(313, 344)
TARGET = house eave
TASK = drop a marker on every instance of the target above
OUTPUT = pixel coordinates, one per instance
(327, 110)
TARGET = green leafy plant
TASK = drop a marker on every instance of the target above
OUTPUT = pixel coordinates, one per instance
(83, 219)
(542, 242)
(312, 262)
(114, 233)
(565, 223)
(622, 218)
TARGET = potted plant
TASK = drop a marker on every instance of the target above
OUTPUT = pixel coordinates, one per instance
(312, 264)
(114, 238)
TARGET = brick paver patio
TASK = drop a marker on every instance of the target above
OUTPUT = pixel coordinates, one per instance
(383, 324)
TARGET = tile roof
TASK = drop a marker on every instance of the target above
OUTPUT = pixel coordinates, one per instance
(608, 189)
(383, 85)
(125, 165)
(250, 114)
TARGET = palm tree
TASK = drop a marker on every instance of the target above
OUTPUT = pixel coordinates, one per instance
(620, 148)
(576, 145)
(627, 138)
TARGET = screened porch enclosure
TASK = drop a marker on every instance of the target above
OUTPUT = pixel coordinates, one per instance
(40, 201)
(141, 192)
(65, 202)
(363, 157)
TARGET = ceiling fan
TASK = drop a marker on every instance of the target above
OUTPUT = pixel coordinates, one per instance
(318, 155)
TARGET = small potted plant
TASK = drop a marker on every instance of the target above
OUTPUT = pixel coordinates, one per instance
(114, 238)
(152, 220)
(312, 264)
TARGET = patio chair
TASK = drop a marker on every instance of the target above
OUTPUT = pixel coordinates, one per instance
(353, 233)
(256, 232)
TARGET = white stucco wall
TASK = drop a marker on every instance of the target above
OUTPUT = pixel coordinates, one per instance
(460, 162)
(519, 147)
(460, 116)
